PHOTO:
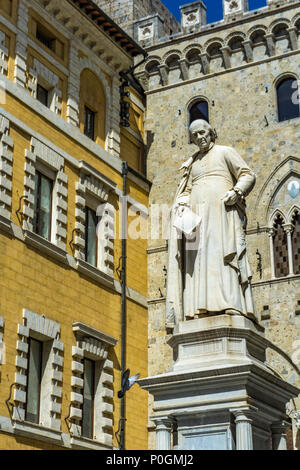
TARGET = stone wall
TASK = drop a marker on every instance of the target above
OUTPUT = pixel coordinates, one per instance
(239, 84)
(125, 12)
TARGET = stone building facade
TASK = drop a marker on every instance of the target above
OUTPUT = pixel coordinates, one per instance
(61, 155)
(236, 67)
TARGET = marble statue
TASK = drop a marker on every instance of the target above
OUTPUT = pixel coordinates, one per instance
(208, 271)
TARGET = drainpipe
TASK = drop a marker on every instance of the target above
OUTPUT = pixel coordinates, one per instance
(123, 283)
(124, 76)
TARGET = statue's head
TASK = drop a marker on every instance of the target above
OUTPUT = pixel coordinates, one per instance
(202, 134)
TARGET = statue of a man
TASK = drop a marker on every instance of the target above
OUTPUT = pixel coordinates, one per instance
(210, 275)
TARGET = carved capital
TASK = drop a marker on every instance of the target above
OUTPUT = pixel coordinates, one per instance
(271, 232)
(288, 228)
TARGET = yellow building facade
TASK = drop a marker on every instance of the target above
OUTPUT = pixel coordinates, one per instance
(61, 184)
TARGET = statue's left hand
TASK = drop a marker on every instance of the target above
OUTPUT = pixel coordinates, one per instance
(230, 198)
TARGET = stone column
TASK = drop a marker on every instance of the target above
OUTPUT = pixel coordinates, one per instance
(226, 56)
(271, 234)
(243, 421)
(163, 433)
(288, 228)
(270, 38)
(205, 63)
(293, 34)
(279, 435)
(184, 69)
(163, 74)
(248, 49)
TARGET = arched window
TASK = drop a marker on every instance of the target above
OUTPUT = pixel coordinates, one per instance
(288, 99)
(258, 36)
(296, 242)
(92, 108)
(214, 50)
(152, 66)
(172, 61)
(280, 247)
(199, 110)
(193, 56)
(280, 31)
(236, 43)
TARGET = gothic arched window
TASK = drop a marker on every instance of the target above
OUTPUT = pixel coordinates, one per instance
(280, 247)
(296, 242)
(288, 99)
(199, 110)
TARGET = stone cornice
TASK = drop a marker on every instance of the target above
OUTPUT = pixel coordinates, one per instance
(86, 30)
(161, 384)
(83, 330)
(221, 72)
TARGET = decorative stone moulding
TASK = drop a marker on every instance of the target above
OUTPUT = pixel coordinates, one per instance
(47, 331)
(3, 54)
(193, 16)
(234, 7)
(147, 30)
(20, 70)
(40, 152)
(6, 168)
(94, 185)
(92, 344)
(51, 82)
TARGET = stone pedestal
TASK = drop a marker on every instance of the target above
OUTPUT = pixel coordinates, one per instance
(220, 392)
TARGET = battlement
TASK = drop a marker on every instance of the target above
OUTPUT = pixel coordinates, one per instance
(151, 30)
(127, 13)
(221, 47)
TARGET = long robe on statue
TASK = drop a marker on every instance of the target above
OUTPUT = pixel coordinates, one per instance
(211, 274)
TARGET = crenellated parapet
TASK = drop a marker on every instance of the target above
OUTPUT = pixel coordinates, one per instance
(209, 52)
(152, 30)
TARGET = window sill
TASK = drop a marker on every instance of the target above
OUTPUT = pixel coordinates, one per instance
(48, 248)
(88, 444)
(90, 271)
(36, 431)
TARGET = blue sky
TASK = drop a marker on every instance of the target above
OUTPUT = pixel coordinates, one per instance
(214, 7)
